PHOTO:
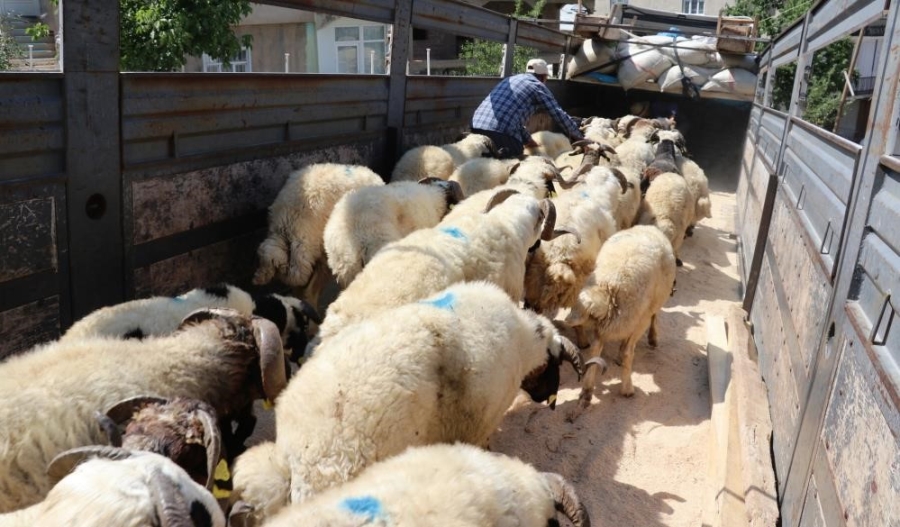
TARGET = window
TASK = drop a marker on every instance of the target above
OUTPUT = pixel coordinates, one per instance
(692, 7)
(242, 62)
(614, 2)
(360, 49)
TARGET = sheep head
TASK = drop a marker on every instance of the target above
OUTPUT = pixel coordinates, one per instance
(453, 192)
(265, 339)
(167, 491)
(296, 319)
(566, 499)
(177, 429)
(542, 383)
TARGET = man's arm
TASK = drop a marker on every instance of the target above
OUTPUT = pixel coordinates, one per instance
(545, 98)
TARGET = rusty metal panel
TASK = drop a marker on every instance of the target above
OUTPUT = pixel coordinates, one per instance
(837, 19)
(456, 18)
(861, 430)
(821, 506)
(27, 237)
(777, 370)
(751, 193)
(29, 325)
(169, 117)
(232, 260)
(375, 10)
(817, 173)
(31, 123)
(770, 134)
(533, 35)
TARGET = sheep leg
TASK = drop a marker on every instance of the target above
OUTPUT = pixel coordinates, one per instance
(590, 376)
(320, 279)
(627, 353)
(651, 336)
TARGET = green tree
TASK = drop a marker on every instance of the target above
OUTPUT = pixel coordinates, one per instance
(827, 82)
(485, 57)
(774, 15)
(9, 50)
(157, 35)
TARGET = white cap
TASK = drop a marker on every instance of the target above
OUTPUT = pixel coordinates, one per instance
(537, 66)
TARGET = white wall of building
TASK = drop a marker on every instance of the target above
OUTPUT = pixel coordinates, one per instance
(342, 40)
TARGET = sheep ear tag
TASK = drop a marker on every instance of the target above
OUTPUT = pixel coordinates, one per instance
(224, 475)
(267, 404)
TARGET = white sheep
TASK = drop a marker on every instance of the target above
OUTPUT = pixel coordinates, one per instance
(50, 394)
(601, 130)
(104, 486)
(482, 173)
(532, 176)
(636, 152)
(558, 269)
(698, 184)
(669, 206)
(440, 161)
(438, 486)
(629, 205)
(293, 251)
(161, 315)
(366, 219)
(489, 246)
(549, 144)
(632, 279)
(448, 371)
(422, 162)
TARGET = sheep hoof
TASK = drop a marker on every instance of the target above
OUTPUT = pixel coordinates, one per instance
(627, 390)
(651, 343)
(689, 232)
(678, 262)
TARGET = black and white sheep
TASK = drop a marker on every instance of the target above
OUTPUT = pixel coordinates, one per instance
(104, 486)
(447, 373)
(438, 486)
(50, 394)
(366, 219)
(161, 315)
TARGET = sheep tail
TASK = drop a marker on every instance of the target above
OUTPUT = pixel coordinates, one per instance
(566, 500)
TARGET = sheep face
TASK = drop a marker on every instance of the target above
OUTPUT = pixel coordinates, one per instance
(296, 320)
(542, 383)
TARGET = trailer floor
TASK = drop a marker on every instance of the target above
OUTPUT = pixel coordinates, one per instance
(643, 461)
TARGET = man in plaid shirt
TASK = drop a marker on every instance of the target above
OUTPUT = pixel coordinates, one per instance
(503, 113)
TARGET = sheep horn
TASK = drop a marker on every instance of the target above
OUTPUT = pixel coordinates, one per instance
(240, 514)
(122, 411)
(599, 362)
(512, 169)
(499, 198)
(307, 309)
(561, 232)
(566, 499)
(271, 357)
(110, 428)
(454, 192)
(623, 181)
(171, 507)
(65, 462)
(428, 180)
(548, 211)
(571, 354)
(212, 441)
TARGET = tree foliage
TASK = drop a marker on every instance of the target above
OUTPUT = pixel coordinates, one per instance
(9, 49)
(157, 35)
(485, 57)
(827, 83)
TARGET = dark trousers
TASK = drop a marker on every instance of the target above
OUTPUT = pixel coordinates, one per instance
(506, 146)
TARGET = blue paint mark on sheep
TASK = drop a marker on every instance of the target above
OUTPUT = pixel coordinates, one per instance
(348, 171)
(454, 232)
(367, 506)
(445, 301)
(584, 194)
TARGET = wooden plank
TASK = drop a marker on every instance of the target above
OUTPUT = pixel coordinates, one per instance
(29, 325)
(754, 426)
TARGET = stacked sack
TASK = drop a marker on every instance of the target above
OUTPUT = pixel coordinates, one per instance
(665, 59)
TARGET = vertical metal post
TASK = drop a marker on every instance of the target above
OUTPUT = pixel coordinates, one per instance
(287, 62)
(401, 45)
(509, 50)
(761, 239)
(31, 56)
(428, 61)
(93, 159)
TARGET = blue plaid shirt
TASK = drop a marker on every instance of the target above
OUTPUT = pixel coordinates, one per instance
(513, 101)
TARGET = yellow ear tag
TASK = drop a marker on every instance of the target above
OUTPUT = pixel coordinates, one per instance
(222, 473)
(553, 194)
(267, 404)
(551, 400)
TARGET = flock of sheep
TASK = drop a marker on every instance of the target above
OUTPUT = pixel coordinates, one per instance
(459, 281)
